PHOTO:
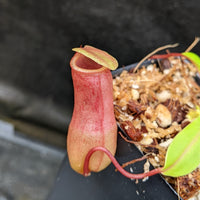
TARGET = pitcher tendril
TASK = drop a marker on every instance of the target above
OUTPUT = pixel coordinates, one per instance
(86, 170)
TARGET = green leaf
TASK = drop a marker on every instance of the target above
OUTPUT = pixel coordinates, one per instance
(193, 57)
(183, 154)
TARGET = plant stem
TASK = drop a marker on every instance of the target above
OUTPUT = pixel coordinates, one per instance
(196, 40)
(86, 170)
(154, 52)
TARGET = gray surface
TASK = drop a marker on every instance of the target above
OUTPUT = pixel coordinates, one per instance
(27, 169)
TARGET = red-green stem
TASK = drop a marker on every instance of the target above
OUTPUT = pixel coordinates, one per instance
(161, 56)
(86, 170)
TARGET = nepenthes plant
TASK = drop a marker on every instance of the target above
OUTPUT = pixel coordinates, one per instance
(92, 135)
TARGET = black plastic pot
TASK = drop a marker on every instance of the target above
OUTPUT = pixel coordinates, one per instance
(110, 184)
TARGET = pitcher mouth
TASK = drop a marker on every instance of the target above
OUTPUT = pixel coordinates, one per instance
(81, 63)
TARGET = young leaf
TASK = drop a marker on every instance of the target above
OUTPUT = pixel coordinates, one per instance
(183, 154)
(193, 57)
(99, 56)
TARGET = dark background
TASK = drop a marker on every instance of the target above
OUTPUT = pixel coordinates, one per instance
(36, 38)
